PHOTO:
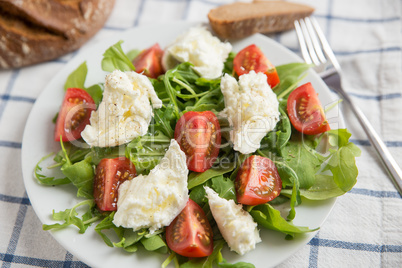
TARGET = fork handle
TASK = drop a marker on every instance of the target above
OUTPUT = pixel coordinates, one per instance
(387, 159)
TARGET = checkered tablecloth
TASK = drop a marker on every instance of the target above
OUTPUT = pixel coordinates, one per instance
(365, 226)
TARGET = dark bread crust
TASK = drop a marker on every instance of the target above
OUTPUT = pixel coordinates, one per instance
(239, 19)
(33, 31)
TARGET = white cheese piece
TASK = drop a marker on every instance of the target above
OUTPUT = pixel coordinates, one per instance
(251, 108)
(154, 200)
(235, 224)
(199, 47)
(125, 111)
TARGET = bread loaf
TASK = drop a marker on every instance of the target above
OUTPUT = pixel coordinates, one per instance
(33, 31)
(238, 20)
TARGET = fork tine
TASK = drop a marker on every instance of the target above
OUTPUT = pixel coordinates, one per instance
(316, 44)
(309, 42)
(327, 48)
(302, 43)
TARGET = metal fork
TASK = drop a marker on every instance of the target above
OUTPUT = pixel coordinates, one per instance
(312, 43)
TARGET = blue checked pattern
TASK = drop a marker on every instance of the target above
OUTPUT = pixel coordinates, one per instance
(364, 228)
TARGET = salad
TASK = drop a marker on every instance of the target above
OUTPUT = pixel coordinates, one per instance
(310, 162)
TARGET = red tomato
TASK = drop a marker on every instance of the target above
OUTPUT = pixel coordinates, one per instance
(305, 111)
(74, 114)
(252, 58)
(190, 233)
(149, 61)
(199, 136)
(257, 181)
(109, 174)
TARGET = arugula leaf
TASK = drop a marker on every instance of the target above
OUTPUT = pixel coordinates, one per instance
(154, 243)
(48, 180)
(301, 158)
(130, 239)
(77, 77)
(289, 177)
(213, 100)
(77, 80)
(71, 153)
(276, 139)
(198, 178)
(163, 119)
(69, 216)
(341, 162)
(269, 217)
(289, 75)
(228, 66)
(96, 93)
(132, 54)
(186, 91)
(323, 188)
(81, 174)
(146, 151)
(206, 262)
(105, 224)
(115, 58)
(224, 187)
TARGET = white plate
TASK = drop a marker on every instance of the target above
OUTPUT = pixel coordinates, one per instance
(89, 247)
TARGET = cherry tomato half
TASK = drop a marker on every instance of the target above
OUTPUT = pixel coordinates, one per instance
(199, 137)
(252, 58)
(257, 181)
(305, 111)
(109, 174)
(149, 61)
(190, 233)
(74, 114)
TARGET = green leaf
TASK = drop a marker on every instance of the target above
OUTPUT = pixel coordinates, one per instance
(215, 258)
(301, 158)
(69, 216)
(163, 119)
(228, 66)
(77, 77)
(341, 160)
(224, 187)
(270, 218)
(290, 177)
(132, 54)
(154, 243)
(235, 265)
(146, 151)
(323, 188)
(198, 194)
(115, 58)
(96, 93)
(343, 166)
(106, 224)
(276, 139)
(81, 174)
(198, 178)
(338, 137)
(289, 75)
(48, 180)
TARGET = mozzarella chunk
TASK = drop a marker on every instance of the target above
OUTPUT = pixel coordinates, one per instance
(125, 111)
(153, 201)
(199, 47)
(251, 108)
(235, 224)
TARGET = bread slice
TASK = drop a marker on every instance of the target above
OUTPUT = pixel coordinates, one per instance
(41, 30)
(239, 19)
